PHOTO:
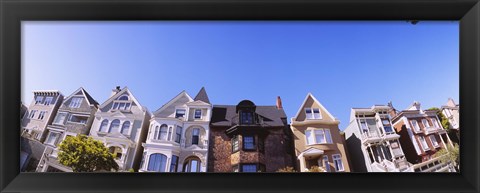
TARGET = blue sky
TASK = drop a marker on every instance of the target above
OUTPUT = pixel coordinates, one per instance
(343, 64)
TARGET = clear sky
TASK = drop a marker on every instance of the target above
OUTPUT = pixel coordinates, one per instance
(343, 64)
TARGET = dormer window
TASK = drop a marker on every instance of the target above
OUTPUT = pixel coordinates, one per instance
(198, 113)
(180, 113)
(313, 113)
(246, 117)
(76, 102)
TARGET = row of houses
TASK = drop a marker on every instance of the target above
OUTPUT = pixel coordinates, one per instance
(189, 134)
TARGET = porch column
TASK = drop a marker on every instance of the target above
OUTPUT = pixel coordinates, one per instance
(443, 142)
(391, 150)
(383, 153)
(302, 162)
(371, 153)
(449, 141)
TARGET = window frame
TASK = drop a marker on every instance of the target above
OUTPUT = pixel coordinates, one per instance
(163, 159)
(49, 101)
(195, 114)
(197, 136)
(235, 144)
(415, 126)
(254, 146)
(69, 120)
(54, 143)
(177, 134)
(422, 140)
(313, 131)
(248, 164)
(326, 164)
(425, 123)
(57, 116)
(39, 100)
(180, 109)
(102, 126)
(434, 141)
(110, 128)
(335, 158)
(128, 128)
(32, 114)
(187, 164)
(76, 102)
(174, 164)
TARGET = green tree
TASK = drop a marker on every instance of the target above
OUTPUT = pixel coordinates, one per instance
(450, 154)
(443, 119)
(84, 154)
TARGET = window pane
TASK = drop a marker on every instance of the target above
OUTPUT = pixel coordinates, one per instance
(248, 142)
(180, 113)
(178, 135)
(328, 136)
(125, 127)
(198, 113)
(320, 136)
(123, 98)
(163, 132)
(308, 134)
(174, 163)
(157, 162)
(114, 126)
(194, 166)
(103, 126)
(308, 113)
(249, 168)
(316, 113)
(326, 163)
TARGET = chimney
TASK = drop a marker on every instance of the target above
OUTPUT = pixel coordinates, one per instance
(279, 103)
(115, 91)
(392, 111)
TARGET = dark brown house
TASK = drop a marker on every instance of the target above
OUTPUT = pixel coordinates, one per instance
(249, 138)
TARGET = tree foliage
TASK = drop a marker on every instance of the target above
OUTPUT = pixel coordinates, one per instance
(84, 154)
(286, 169)
(316, 169)
(443, 119)
(450, 154)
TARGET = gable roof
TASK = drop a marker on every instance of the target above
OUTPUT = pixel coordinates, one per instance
(202, 96)
(316, 101)
(183, 93)
(119, 93)
(85, 94)
(222, 115)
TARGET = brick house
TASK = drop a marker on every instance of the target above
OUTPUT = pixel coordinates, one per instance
(421, 136)
(249, 138)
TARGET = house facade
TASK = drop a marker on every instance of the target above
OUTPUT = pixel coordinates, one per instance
(249, 138)
(451, 111)
(372, 142)
(121, 123)
(177, 139)
(422, 135)
(75, 116)
(40, 113)
(317, 138)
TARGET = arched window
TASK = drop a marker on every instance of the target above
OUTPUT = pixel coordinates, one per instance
(191, 164)
(125, 127)
(163, 132)
(116, 151)
(114, 125)
(157, 162)
(123, 98)
(103, 126)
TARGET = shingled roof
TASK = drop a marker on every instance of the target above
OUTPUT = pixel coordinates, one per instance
(202, 96)
(90, 98)
(222, 115)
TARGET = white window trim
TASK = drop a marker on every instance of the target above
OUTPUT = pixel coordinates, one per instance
(434, 139)
(312, 131)
(417, 128)
(78, 115)
(312, 117)
(49, 103)
(54, 141)
(64, 120)
(425, 123)
(184, 114)
(129, 129)
(421, 143)
(341, 161)
(194, 114)
(326, 165)
(107, 126)
(39, 100)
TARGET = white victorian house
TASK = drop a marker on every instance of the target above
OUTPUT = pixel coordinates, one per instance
(177, 139)
(121, 124)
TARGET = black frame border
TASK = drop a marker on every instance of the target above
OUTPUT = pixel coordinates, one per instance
(12, 12)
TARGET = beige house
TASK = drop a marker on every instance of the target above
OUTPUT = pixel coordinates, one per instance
(317, 138)
(451, 110)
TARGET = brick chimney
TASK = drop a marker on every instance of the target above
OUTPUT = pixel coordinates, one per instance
(392, 111)
(115, 91)
(279, 103)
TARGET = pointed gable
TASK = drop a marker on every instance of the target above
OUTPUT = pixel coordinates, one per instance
(168, 109)
(311, 102)
(124, 92)
(451, 103)
(202, 96)
(80, 92)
